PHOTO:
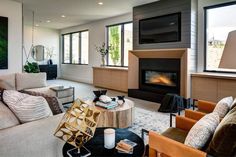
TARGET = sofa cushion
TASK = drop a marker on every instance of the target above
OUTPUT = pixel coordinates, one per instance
(30, 80)
(7, 117)
(175, 134)
(223, 106)
(223, 142)
(26, 107)
(8, 81)
(201, 132)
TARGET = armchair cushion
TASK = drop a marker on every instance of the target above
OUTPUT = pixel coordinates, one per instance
(205, 106)
(223, 106)
(223, 142)
(201, 132)
(175, 134)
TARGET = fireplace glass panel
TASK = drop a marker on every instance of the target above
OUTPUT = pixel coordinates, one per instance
(160, 78)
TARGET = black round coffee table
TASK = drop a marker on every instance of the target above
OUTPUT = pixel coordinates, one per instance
(96, 144)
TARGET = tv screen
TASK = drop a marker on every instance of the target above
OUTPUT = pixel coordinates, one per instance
(160, 29)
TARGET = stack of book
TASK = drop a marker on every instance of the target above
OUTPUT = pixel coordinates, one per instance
(109, 105)
(125, 146)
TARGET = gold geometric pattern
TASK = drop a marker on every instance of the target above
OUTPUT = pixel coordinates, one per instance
(78, 124)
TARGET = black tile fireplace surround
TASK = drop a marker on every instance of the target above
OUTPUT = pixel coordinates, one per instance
(157, 76)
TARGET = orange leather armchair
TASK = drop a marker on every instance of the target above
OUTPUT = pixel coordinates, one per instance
(168, 144)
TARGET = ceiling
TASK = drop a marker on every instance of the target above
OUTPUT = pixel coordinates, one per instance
(77, 12)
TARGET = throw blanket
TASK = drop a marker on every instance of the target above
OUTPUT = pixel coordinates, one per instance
(27, 108)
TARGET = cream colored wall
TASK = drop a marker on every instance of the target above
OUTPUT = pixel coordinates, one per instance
(42, 36)
(97, 35)
(13, 10)
(201, 5)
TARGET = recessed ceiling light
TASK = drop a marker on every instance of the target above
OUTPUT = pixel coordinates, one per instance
(37, 25)
(63, 16)
(48, 21)
(100, 3)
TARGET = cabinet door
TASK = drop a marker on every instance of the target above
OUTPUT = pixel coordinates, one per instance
(226, 88)
(204, 89)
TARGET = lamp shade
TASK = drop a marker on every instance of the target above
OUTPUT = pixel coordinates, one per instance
(78, 124)
(228, 59)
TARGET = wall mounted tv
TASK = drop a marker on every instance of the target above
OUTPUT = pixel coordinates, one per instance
(160, 29)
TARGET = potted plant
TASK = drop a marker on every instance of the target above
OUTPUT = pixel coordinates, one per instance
(103, 50)
(31, 67)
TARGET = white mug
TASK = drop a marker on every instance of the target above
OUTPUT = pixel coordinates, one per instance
(109, 138)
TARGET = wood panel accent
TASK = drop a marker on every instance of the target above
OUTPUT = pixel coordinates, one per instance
(182, 54)
(213, 86)
(111, 78)
(119, 117)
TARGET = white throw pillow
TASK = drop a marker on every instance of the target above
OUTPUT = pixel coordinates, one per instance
(26, 107)
(30, 80)
(223, 106)
(200, 133)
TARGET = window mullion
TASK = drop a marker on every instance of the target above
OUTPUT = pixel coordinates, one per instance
(80, 47)
(122, 45)
(63, 50)
(71, 48)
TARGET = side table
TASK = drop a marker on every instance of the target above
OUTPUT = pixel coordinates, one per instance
(96, 144)
(64, 94)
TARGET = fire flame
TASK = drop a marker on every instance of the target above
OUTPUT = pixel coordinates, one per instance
(161, 79)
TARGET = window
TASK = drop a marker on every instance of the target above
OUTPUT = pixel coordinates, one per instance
(75, 47)
(120, 39)
(218, 23)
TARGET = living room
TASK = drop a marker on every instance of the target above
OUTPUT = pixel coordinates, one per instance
(117, 78)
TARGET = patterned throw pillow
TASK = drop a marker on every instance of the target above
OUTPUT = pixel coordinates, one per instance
(27, 108)
(233, 104)
(201, 132)
(53, 102)
(223, 106)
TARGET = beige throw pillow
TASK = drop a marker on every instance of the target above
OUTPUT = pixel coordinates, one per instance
(200, 133)
(7, 118)
(26, 107)
(223, 106)
(30, 80)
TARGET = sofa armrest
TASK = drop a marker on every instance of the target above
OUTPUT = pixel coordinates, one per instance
(184, 123)
(206, 106)
(195, 115)
(172, 148)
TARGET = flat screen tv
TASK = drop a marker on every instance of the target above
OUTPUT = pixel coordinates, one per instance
(160, 29)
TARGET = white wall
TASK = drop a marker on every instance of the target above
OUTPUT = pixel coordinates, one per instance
(97, 35)
(201, 5)
(13, 10)
(42, 36)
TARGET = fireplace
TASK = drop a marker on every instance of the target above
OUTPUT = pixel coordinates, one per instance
(157, 77)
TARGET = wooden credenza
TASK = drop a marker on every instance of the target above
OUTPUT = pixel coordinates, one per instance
(111, 78)
(213, 86)
(51, 71)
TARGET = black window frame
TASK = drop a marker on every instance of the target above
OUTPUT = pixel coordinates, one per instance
(122, 43)
(71, 46)
(205, 34)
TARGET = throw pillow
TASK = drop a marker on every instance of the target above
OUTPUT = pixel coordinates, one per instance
(30, 80)
(55, 106)
(26, 107)
(7, 118)
(223, 143)
(201, 132)
(223, 106)
(8, 81)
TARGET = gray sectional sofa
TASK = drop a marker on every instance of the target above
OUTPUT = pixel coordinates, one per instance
(32, 139)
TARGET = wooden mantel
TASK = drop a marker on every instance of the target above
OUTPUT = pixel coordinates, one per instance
(187, 65)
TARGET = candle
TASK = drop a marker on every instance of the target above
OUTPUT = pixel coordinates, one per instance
(109, 138)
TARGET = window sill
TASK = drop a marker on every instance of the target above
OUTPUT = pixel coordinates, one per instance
(215, 75)
(73, 64)
(112, 68)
